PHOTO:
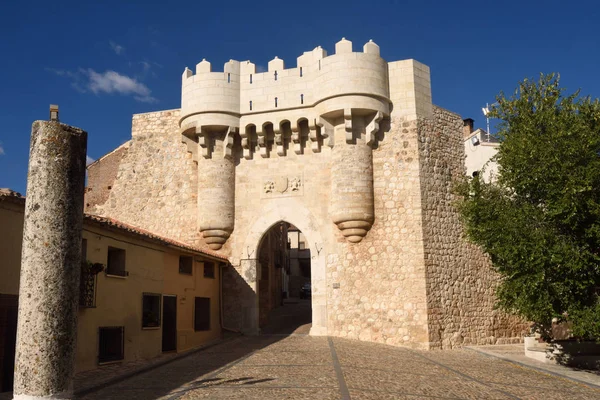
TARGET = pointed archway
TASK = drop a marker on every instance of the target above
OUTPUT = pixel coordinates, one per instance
(294, 213)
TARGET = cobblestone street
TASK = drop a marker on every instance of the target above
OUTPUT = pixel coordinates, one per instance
(296, 366)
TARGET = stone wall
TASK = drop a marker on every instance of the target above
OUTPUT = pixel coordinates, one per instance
(381, 297)
(460, 281)
(101, 176)
(411, 281)
(156, 182)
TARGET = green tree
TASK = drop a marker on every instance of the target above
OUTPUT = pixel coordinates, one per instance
(539, 220)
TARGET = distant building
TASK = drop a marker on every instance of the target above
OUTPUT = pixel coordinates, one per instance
(299, 261)
(480, 149)
(153, 295)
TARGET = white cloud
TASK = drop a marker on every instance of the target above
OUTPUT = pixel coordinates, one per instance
(118, 49)
(1, 149)
(110, 82)
(88, 160)
(113, 82)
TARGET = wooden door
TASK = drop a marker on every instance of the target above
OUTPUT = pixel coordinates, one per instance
(169, 328)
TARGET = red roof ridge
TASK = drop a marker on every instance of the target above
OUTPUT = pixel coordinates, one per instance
(143, 232)
(8, 194)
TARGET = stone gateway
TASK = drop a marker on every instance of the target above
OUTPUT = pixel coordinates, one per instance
(349, 149)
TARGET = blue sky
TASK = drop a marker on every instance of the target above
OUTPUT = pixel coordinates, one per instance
(103, 61)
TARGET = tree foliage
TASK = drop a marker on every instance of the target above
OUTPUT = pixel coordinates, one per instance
(539, 219)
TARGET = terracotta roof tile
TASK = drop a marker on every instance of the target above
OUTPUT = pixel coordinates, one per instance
(11, 195)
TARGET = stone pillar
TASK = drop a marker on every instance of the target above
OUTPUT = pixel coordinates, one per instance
(352, 179)
(50, 263)
(216, 188)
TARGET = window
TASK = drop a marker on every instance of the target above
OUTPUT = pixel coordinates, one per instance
(301, 99)
(110, 343)
(150, 310)
(250, 78)
(209, 270)
(300, 71)
(228, 77)
(250, 105)
(116, 262)
(275, 101)
(186, 264)
(87, 280)
(275, 75)
(202, 314)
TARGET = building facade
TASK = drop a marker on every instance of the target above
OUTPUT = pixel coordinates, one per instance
(141, 294)
(480, 150)
(349, 149)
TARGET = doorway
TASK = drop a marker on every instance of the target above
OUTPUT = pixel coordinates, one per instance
(9, 305)
(169, 329)
(284, 281)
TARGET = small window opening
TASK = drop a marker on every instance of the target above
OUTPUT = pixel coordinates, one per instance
(319, 65)
(110, 343)
(186, 265)
(209, 270)
(301, 99)
(275, 101)
(275, 75)
(228, 77)
(116, 262)
(300, 71)
(250, 105)
(250, 78)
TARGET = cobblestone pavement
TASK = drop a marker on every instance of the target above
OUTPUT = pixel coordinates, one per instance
(304, 367)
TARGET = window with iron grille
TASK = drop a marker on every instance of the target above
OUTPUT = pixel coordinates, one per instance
(111, 343)
(87, 281)
(186, 264)
(116, 262)
(209, 270)
(202, 314)
(151, 310)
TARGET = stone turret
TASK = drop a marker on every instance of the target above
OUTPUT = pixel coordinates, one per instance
(336, 101)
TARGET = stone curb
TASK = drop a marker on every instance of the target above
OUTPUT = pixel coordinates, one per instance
(126, 375)
(534, 367)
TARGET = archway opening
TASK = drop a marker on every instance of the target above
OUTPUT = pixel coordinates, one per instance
(284, 281)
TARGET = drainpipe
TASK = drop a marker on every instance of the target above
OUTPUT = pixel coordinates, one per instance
(221, 266)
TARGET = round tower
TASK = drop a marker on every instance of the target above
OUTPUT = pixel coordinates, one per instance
(355, 93)
(352, 182)
(216, 186)
(210, 116)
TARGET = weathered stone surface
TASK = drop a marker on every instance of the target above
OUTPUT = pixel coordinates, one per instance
(51, 262)
(460, 282)
(101, 178)
(353, 154)
(156, 183)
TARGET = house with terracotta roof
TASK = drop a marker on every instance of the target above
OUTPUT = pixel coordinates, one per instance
(140, 294)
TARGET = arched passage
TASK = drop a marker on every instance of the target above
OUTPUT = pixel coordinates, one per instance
(284, 281)
(293, 212)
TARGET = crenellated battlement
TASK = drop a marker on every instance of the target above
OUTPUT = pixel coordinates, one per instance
(307, 59)
(319, 84)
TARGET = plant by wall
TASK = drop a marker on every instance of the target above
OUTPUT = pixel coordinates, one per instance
(539, 220)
